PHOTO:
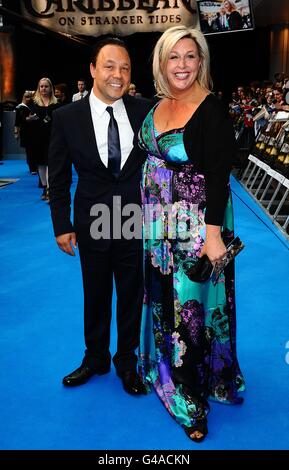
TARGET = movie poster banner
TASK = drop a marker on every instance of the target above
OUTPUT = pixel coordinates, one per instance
(120, 17)
(224, 16)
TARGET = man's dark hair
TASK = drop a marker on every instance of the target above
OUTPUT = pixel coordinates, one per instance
(62, 87)
(105, 42)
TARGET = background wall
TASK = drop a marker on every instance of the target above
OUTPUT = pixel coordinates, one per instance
(279, 49)
(235, 58)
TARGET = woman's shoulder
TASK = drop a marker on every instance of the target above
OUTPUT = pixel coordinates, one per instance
(210, 109)
(213, 104)
(213, 111)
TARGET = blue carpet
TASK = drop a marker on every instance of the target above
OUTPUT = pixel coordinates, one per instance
(42, 340)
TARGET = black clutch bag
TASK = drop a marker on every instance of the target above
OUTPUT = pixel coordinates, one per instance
(203, 269)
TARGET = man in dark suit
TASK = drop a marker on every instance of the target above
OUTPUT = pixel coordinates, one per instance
(98, 135)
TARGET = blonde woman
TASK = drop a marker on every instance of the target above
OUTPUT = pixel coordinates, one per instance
(43, 104)
(187, 348)
(233, 16)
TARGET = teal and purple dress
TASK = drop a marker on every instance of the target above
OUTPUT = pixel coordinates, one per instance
(188, 330)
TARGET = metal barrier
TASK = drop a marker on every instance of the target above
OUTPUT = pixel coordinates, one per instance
(270, 190)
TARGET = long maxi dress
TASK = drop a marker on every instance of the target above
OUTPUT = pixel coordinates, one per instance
(188, 331)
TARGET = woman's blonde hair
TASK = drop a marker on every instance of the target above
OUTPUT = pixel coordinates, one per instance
(161, 55)
(231, 4)
(37, 96)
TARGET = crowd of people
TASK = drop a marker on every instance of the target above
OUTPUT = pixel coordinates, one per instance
(252, 107)
(247, 101)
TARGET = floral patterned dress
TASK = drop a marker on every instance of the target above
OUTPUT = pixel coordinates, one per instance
(188, 331)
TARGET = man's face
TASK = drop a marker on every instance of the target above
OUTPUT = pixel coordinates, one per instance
(81, 86)
(111, 73)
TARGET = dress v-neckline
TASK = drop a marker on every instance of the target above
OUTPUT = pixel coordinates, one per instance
(161, 133)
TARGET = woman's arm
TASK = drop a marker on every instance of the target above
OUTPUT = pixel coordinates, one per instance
(219, 152)
(210, 144)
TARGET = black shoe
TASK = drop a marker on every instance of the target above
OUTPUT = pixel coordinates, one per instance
(82, 375)
(132, 383)
(44, 192)
(47, 197)
(197, 432)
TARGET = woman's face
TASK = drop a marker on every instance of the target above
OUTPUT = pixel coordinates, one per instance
(132, 90)
(227, 7)
(278, 96)
(183, 65)
(44, 88)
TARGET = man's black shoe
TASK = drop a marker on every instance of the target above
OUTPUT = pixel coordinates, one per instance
(82, 375)
(132, 383)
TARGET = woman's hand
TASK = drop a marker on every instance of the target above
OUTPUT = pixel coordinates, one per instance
(214, 246)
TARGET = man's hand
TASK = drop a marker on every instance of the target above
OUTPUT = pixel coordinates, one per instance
(66, 241)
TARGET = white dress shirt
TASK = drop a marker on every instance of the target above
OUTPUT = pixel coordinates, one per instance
(77, 96)
(101, 117)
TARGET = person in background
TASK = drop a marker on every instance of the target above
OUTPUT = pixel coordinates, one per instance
(61, 93)
(188, 333)
(82, 91)
(98, 135)
(21, 129)
(39, 122)
(219, 95)
(132, 89)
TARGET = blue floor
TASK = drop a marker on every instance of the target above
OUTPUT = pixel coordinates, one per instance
(42, 340)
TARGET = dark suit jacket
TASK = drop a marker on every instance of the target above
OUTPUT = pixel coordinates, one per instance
(73, 142)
